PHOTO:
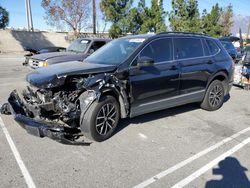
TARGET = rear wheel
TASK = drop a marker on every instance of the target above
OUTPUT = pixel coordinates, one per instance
(214, 96)
(101, 119)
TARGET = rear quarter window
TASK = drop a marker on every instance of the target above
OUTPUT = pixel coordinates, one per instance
(188, 48)
(212, 46)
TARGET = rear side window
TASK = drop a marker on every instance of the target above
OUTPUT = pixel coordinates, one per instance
(188, 48)
(212, 46)
(159, 50)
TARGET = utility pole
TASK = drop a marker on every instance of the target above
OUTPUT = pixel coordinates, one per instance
(29, 15)
(248, 30)
(94, 16)
(241, 40)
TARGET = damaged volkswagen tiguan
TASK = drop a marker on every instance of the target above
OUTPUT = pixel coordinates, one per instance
(129, 76)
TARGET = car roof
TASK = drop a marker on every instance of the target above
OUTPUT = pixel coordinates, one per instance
(95, 39)
(172, 34)
(185, 34)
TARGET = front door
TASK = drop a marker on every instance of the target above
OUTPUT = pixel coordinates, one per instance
(151, 86)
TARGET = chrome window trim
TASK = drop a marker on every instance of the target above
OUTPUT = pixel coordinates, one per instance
(204, 56)
(174, 59)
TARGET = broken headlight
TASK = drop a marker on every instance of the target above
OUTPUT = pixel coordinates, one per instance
(86, 99)
(89, 98)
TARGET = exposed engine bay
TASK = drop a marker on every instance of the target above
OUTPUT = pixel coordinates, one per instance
(56, 111)
(67, 102)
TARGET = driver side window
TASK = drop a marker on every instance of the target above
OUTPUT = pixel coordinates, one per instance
(159, 50)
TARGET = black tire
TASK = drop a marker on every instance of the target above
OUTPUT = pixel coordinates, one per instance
(214, 97)
(91, 122)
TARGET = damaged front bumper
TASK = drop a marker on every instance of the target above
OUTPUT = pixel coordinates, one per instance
(41, 128)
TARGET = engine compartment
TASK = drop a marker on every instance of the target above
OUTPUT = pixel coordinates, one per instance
(67, 102)
(56, 112)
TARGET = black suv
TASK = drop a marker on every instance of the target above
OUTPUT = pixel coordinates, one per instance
(128, 77)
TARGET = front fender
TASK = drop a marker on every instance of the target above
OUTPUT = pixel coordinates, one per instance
(105, 84)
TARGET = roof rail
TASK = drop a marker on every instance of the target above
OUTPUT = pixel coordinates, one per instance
(174, 32)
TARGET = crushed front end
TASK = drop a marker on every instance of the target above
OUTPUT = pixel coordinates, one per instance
(54, 109)
(33, 115)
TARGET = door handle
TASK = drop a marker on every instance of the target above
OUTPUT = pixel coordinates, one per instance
(173, 67)
(210, 62)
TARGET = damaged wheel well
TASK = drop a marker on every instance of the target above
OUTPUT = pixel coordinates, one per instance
(119, 100)
(112, 93)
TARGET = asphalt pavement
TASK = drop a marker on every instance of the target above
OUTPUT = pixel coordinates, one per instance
(182, 146)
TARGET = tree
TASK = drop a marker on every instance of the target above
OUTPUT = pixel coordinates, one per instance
(211, 21)
(116, 12)
(134, 21)
(4, 18)
(75, 13)
(138, 17)
(227, 20)
(194, 22)
(185, 16)
(153, 17)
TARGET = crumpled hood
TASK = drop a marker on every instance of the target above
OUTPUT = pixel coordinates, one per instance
(55, 75)
(46, 56)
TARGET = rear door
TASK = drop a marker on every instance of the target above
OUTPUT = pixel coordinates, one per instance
(151, 86)
(194, 64)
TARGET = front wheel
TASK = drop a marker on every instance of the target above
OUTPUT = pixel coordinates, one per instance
(214, 96)
(101, 119)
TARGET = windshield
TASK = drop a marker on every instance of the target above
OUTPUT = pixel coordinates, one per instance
(116, 51)
(79, 45)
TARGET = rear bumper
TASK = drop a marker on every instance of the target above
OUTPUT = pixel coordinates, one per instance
(41, 128)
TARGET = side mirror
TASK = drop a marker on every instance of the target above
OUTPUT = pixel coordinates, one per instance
(145, 62)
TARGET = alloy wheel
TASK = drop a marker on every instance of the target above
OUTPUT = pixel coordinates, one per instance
(216, 96)
(106, 119)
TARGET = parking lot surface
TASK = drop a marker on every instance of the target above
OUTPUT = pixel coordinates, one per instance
(183, 146)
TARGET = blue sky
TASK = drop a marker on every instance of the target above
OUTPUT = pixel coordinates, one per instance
(16, 9)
